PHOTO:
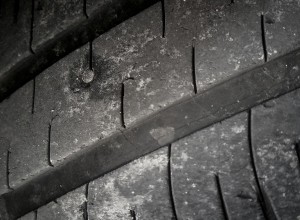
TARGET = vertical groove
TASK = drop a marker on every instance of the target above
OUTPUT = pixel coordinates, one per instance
(194, 68)
(132, 214)
(264, 201)
(263, 36)
(31, 27)
(122, 116)
(85, 210)
(7, 169)
(170, 182)
(35, 214)
(49, 143)
(91, 55)
(84, 9)
(297, 149)
(223, 202)
(122, 105)
(163, 11)
(16, 10)
(33, 96)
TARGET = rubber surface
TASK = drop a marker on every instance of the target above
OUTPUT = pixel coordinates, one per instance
(177, 121)
(134, 87)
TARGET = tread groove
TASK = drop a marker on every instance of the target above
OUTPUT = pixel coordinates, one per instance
(163, 11)
(85, 210)
(267, 208)
(7, 170)
(49, 142)
(194, 67)
(35, 214)
(122, 105)
(122, 116)
(49, 146)
(173, 206)
(263, 36)
(222, 199)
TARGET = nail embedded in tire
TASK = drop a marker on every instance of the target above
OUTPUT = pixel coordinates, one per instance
(88, 76)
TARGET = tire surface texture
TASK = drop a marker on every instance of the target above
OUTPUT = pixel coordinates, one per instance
(186, 110)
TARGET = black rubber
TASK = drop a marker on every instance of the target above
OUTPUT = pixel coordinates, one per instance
(218, 103)
(236, 171)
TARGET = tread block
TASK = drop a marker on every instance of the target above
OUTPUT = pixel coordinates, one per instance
(69, 206)
(53, 17)
(29, 216)
(228, 40)
(178, 120)
(282, 27)
(221, 149)
(140, 186)
(81, 112)
(135, 49)
(275, 130)
(25, 135)
(14, 33)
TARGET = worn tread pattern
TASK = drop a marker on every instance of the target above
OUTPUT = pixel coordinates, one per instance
(127, 76)
(178, 120)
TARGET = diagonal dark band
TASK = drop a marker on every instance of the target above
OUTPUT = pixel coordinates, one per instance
(240, 93)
